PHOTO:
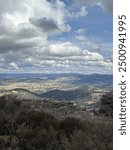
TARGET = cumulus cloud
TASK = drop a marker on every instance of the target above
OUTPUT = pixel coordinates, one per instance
(25, 27)
(62, 49)
(21, 22)
(47, 25)
(54, 55)
(8, 44)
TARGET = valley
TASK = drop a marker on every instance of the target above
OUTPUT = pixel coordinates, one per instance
(84, 91)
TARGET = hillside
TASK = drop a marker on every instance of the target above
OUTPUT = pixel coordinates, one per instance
(42, 124)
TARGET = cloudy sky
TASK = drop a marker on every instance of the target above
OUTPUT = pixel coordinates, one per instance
(53, 36)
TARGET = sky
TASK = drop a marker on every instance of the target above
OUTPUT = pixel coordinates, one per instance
(56, 36)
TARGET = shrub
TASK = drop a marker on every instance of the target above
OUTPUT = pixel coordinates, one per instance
(70, 124)
(36, 130)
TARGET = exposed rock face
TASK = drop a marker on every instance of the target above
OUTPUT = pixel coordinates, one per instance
(107, 104)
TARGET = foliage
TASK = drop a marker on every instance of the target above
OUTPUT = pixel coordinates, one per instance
(22, 129)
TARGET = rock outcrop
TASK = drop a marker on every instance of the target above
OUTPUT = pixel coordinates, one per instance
(107, 104)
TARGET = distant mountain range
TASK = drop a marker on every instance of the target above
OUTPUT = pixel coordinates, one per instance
(85, 88)
(93, 79)
(102, 80)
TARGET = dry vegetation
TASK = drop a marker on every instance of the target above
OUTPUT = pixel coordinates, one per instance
(24, 129)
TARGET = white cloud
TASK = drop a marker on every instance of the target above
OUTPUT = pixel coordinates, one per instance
(80, 13)
(105, 4)
(24, 30)
(62, 49)
(91, 44)
(14, 65)
(59, 56)
(23, 22)
(80, 31)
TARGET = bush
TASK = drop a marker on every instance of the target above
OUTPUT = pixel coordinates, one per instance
(36, 130)
(10, 104)
(70, 124)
